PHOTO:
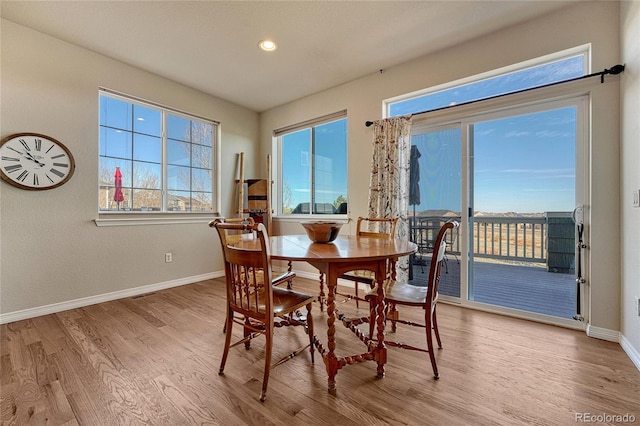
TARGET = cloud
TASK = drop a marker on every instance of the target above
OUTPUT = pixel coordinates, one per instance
(516, 134)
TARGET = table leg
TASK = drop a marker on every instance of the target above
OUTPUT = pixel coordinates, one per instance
(381, 348)
(331, 360)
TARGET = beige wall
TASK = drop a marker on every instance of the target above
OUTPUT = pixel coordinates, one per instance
(51, 250)
(630, 174)
(552, 33)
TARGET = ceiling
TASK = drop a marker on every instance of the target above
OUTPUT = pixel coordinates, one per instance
(212, 46)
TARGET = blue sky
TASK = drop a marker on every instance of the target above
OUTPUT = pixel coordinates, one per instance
(330, 149)
(522, 164)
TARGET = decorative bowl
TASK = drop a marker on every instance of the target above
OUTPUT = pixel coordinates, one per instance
(322, 232)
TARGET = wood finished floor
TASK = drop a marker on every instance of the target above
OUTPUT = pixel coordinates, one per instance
(153, 360)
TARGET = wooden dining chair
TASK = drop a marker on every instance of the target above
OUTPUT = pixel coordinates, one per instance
(424, 297)
(236, 235)
(374, 227)
(252, 301)
(280, 277)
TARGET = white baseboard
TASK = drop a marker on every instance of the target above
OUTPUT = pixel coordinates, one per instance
(631, 351)
(603, 333)
(100, 298)
(616, 336)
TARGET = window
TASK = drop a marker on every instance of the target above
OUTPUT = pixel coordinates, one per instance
(312, 172)
(153, 159)
(555, 68)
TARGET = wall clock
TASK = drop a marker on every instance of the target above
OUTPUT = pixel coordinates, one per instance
(34, 161)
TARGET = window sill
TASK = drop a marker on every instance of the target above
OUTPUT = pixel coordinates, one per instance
(148, 220)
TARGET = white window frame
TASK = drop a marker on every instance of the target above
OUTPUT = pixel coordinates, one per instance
(277, 162)
(164, 216)
(584, 50)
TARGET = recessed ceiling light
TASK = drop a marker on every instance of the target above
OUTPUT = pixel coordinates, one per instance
(267, 45)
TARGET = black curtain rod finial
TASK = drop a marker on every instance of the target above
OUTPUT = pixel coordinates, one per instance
(614, 70)
(368, 123)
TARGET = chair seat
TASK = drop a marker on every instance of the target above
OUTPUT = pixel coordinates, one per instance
(402, 293)
(284, 301)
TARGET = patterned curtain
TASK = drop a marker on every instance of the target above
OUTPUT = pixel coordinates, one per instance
(389, 185)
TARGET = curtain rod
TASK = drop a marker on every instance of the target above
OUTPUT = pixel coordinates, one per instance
(616, 69)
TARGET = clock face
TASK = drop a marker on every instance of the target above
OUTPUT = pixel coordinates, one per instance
(34, 161)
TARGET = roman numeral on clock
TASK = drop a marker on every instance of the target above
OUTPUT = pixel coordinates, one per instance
(12, 168)
(57, 172)
(23, 175)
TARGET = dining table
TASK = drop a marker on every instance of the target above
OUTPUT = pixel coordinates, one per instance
(346, 253)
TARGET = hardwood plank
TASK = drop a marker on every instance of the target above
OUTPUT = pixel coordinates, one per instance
(194, 413)
(58, 408)
(154, 360)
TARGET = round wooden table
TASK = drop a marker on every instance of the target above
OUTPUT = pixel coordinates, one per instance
(347, 253)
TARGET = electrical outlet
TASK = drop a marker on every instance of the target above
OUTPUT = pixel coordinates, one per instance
(168, 257)
(636, 198)
(638, 306)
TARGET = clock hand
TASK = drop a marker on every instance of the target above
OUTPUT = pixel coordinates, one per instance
(32, 158)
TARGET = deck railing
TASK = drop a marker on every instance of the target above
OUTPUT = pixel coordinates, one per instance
(511, 238)
(496, 237)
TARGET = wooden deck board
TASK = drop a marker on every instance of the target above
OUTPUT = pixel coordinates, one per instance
(529, 288)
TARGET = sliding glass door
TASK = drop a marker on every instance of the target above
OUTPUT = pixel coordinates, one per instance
(523, 192)
(512, 178)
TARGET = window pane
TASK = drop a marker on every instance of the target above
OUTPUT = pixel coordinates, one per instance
(178, 178)
(178, 153)
(115, 113)
(296, 183)
(201, 201)
(107, 187)
(115, 143)
(178, 128)
(202, 156)
(147, 200)
(202, 133)
(147, 121)
(330, 166)
(562, 70)
(147, 148)
(179, 201)
(200, 180)
(147, 175)
(108, 170)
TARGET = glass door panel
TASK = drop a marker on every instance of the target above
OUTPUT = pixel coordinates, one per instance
(523, 190)
(434, 197)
